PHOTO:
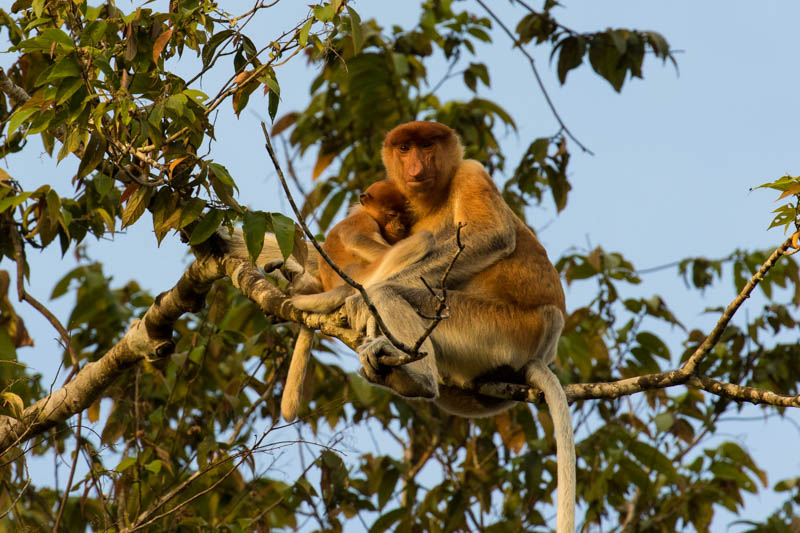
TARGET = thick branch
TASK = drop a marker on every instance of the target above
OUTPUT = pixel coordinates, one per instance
(248, 279)
(15, 93)
(150, 337)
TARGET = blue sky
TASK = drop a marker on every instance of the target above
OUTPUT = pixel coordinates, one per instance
(676, 155)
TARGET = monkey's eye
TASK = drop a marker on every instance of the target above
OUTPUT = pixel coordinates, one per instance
(392, 214)
(426, 144)
(404, 148)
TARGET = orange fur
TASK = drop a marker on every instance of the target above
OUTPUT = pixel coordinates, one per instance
(356, 243)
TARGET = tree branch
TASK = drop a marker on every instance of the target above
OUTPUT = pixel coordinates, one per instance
(149, 337)
(691, 364)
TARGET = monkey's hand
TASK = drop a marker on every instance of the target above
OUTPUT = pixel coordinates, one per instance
(402, 380)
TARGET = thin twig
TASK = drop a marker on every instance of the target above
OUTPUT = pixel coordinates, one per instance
(713, 337)
(16, 500)
(63, 504)
(537, 76)
(399, 360)
(23, 295)
(350, 281)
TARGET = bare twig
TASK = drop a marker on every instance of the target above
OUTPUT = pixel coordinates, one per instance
(539, 81)
(63, 504)
(23, 295)
(350, 281)
(441, 310)
(713, 337)
(16, 500)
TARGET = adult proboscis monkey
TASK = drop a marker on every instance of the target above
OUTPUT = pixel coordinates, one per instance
(505, 297)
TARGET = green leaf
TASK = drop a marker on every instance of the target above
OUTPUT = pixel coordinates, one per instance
(653, 344)
(652, 458)
(206, 227)
(284, 233)
(225, 193)
(664, 421)
(303, 36)
(254, 228)
(66, 68)
(213, 43)
(355, 29)
(125, 464)
(67, 88)
(20, 116)
(571, 56)
(38, 7)
(108, 220)
(14, 200)
(324, 13)
(190, 210)
(102, 184)
(198, 97)
(93, 154)
(177, 104)
(136, 205)
(387, 520)
(479, 34)
(274, 100)
(154, 466)
(222, 174)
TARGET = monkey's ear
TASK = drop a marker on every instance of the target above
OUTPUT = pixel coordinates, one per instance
(364, 198)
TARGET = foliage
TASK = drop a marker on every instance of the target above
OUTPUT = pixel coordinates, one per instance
(175, 451)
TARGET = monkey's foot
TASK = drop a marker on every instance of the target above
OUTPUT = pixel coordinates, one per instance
(269, 266)
(403, 380)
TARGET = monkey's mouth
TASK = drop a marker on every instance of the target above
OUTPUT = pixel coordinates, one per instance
(420, 183)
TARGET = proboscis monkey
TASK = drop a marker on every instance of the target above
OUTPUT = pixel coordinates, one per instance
(505, 297)
(357, 245)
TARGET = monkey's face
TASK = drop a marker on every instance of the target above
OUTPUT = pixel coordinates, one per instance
(420, 158)
(390, 210)
(418, 162)
(396, 225)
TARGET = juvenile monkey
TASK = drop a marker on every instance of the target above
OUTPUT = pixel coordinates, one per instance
(358, 244)
(506, 301)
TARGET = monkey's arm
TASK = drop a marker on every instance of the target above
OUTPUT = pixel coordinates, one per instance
(368, 246)
(489, 235)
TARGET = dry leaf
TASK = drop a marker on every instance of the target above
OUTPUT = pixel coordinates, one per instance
(323, 161)
(159, 45)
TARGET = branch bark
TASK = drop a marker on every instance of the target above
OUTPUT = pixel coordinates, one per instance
(148, 337)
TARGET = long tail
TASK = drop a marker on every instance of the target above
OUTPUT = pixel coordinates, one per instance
(293, 388)
(542, 378)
